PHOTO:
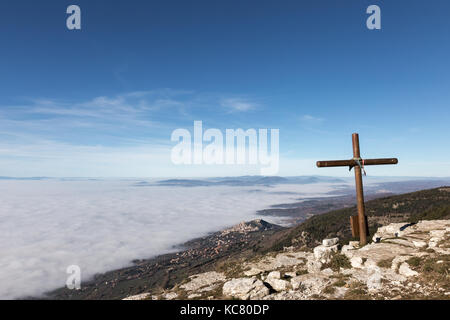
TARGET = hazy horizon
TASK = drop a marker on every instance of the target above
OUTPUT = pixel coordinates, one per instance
(348, 176)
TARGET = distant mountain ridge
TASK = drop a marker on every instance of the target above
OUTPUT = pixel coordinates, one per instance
(245, 181)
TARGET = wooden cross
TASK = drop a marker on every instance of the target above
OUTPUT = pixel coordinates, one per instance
(358, 223)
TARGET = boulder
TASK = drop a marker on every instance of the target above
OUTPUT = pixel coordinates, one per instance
(357, 262)
(274, 280)
(277, 284)
(252, 272)
(245, 288)
(274, 275)
(310, 284)
(330, 242)
(324, 254)
(406, 271)
(313, 266)
(296, 282)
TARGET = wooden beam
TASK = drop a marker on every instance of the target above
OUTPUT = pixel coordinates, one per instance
(355, 226)
(359, 193)
(352, 163)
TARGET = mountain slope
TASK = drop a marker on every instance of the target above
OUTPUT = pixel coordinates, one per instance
(420, 205)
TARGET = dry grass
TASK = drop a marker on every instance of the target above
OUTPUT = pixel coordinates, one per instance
(330, 289)
(385, 263)
(357, 291)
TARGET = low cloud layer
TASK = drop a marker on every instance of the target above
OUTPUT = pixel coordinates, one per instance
(102, 225)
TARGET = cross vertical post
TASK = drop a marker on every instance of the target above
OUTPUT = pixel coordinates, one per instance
(359, 223)
(359, 192)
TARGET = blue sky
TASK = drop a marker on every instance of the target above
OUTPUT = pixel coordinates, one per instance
(104, 100)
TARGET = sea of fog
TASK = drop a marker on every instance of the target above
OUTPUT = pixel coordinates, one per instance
(101, 225)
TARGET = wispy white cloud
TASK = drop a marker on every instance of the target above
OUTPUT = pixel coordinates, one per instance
(311, 119)
(101, 136)
(238, 104)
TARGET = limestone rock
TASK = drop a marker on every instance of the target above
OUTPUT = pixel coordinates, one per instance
(346, 248)
(274, 280)
(296, 282)
(278, 284)
(374, 282)
(287, 295)
(406, 270)
(370, 263)
(252, 272)
(323, 254)
(313, 266)
(419, 244)
(245, 288)
(357, 262)
(203, 279)
(327, 272)
(170, 295)
(274, 275)
(437, 233)
(397, 261)
(310, 284)
(354, 244)
(141, 296)
(330, 242)
(392, 230)
(434, 242)
(281, 260)
(374, 279)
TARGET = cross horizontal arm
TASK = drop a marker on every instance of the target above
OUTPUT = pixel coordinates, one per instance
(352, 162)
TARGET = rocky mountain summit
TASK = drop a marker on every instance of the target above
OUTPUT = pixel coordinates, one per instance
(404, 261)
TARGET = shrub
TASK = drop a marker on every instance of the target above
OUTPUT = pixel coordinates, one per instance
(338, 261)
(414, 262)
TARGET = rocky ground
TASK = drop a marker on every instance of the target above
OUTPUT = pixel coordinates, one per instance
(404, 261)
